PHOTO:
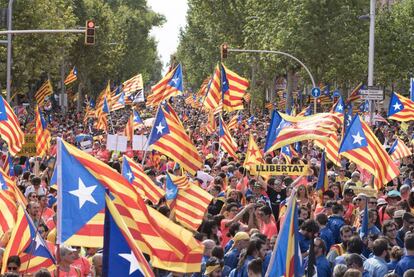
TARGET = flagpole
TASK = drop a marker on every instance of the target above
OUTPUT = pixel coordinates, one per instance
(150, 135)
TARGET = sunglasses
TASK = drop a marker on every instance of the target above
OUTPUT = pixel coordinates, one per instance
(12, 268)
(373, 203)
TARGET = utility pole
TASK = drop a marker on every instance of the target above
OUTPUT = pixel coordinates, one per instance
(9, 49)
(371, 52)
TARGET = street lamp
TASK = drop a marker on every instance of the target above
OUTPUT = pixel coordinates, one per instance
(9, 49)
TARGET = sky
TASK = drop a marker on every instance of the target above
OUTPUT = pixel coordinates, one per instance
(167, 35)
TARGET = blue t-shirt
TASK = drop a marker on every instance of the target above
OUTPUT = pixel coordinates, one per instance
(231, 259)
(326, 235)
(304, 243)
(406, 263)
(335, 223)
(323, 266)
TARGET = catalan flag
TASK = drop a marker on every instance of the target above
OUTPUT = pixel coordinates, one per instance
(339, 106)
(42, 134)
(27, 243)
(275, 121)
(169, 137)
(400, 108)
(323, 183)
(233, 88)
(286, 258)
(226, 141)
(44, 91)
(121, 254)
(213, 95)
(354, 95)
(136, 176)
(72, 77)
(233, 122)
(170, 246)
(292, 129)
(169, 86)
(10, 130)
(399, 150)
(102, 123)
(306, 111)
(361, 146)
(331, 147)
(132, 85)
(8, 205)
(253, 154)
(133, 123)
(188, 201)
(211, 125)
(119, 101)
(203, 88)
(8, 165)
(286, 153)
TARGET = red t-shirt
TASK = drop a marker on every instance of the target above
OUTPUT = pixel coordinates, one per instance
(269, 229)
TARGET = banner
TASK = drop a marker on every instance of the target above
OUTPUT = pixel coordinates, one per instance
(280, 169)
(29, 147)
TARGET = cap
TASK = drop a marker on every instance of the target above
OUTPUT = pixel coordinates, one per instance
(163, 158)
(404, 187)
(241, 236)
(381, 201)
(399, 214)
(209, 156)
(362, 195)
(349, 191)
(313, 161)
(211, 268)
(393, 194)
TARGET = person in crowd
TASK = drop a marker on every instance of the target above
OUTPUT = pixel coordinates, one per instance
(377, 265)
(407, 261)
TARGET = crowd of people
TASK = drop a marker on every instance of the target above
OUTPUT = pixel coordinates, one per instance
(241, 225)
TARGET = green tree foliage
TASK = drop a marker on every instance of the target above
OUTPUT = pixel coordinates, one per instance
(123, 45)
(326, 35)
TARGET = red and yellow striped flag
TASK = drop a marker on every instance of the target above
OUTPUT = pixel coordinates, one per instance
(10, 130)
(42, 134)
(213, 95)
(169, 245)
(136, 176)
(226, 141)
(399, 150)
(331, 147)
(72, 77)
(27, 243)
(190, 203)
(44, 91)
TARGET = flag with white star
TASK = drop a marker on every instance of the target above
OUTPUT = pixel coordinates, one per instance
(169, 86)
(122, 257)
(293, 129)
(169, 137)
(136, 176)
(27, 243)
(81, 198)
(400, 108)
(361, 146)
(271, 131)
(187, 201)
(339, 106)
(399, 150)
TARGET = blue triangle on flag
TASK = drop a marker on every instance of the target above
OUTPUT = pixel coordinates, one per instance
(118, 258)
(82, 195)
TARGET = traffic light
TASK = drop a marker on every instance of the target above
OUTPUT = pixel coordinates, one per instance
(223, 51)
(90, 32)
